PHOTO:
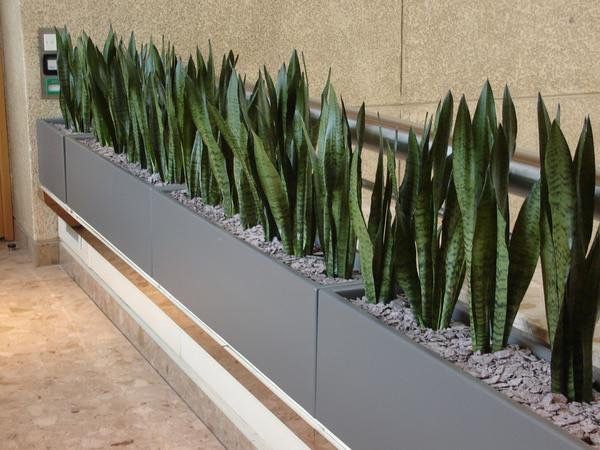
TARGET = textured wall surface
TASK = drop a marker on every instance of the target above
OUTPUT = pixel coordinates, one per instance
(536, 46)
(354, 37)
(399, 56)
(17, 114)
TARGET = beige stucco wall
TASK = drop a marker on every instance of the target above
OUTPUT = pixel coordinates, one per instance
(399, 56)
(535, 46)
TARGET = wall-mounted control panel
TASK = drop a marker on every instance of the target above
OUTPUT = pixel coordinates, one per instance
(48, 63)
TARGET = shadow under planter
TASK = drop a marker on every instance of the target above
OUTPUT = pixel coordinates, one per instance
(112, 200)
(377, 389)
(263, 308)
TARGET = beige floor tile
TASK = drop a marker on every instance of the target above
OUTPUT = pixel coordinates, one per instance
(70, 379)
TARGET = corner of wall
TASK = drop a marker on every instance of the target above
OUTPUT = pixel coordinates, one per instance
(23, 106)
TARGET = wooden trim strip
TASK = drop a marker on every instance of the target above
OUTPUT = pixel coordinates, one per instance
(6, 211)
(59, 211)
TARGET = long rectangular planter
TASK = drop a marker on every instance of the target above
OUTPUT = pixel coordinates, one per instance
(263, 308)
(113, 201)
(369, 384)
(51, 157)
(377, 389)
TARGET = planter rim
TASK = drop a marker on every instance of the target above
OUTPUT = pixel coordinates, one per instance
(517, 336)
(167, 188)
(74, 134)
(316, 285)
(79, 137)
(344, 293)
(52, 120)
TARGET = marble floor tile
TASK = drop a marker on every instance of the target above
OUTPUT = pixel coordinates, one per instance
(70, 379)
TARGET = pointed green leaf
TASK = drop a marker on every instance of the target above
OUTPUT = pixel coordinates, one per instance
(483, 268)
(273, 189)
(524, 253)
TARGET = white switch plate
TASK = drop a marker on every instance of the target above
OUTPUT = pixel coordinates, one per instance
(50, 42)
(52, 64)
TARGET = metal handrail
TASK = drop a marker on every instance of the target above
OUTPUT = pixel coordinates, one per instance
(522, 175)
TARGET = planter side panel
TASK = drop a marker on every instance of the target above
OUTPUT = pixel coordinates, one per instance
(114, 202)
(378, 390)
(262, 309)
(51, 159)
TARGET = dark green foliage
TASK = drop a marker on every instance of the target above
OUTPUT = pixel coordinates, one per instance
(376, 240)
(331, 164)
(74, 78)
(499, 266)
(277, 113)
(570, 258)
(188, 123)
(100, 91)
(234, 131)
(429, 253)
(448, 221)
(199, 97)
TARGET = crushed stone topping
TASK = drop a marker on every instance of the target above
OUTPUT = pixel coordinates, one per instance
(311, 266)
(120, 159)
(514, 371)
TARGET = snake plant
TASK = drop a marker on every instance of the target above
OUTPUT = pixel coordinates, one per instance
(100, 90)
(216, 159)
(331, 170)
(376, 237)
(499, 265)
(278, 112)
(570, 265)
(254, 155)
(242, 141)
(429, 255)
(111, 113)
(73, 74)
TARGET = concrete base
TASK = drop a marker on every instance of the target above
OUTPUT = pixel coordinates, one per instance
(43, 253)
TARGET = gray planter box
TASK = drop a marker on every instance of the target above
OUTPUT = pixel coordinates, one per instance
(377, 389)
(51, 157)
(113, 201)
(263, 308)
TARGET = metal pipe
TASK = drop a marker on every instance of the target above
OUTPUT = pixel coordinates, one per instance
(522, 175)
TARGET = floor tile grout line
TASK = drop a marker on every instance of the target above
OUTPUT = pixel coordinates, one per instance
(137, 348)
(62, 314)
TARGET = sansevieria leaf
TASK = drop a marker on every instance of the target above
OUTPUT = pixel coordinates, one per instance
(483, 270)
(365, 244)
(273, 189)
(561, 204)
(524, 254)
(198, 109)
(570, 289)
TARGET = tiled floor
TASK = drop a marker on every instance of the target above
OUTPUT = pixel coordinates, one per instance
(68, 377)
